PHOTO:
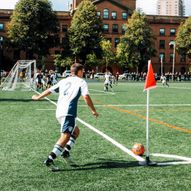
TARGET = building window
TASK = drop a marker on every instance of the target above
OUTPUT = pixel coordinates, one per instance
(183, 57)
(116, 41)
(162, 32)
(124, 15)
(123, 28)
(1, 26)
(115, 28)
(106, 14)
(162, 55)
(64, 28)
(172, 32)
(114, 15)
(105, 28)
(98, 14)
(162, 44)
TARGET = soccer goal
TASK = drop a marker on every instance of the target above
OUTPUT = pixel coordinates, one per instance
(21, 76)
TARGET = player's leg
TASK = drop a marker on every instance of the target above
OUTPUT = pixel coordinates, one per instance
(67, 126)
(71, 142)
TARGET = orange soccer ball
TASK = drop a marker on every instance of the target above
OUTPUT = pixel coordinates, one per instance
(138, 149)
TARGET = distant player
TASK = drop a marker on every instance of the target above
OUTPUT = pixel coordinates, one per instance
(107, 81)
(164, 81)
(40, 80)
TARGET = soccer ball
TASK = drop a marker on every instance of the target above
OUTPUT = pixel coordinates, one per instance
(138, 149)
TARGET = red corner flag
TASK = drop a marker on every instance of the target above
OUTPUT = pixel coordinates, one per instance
(150, 79)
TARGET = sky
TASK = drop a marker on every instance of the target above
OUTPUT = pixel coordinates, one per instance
(147, 6)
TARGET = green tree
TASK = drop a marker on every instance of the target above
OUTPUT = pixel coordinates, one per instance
(65, 62)
(107, 53)
(85, 32)
(136, 46)
(183, 38)
(32, 26)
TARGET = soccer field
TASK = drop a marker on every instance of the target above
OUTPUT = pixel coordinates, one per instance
(29, 130)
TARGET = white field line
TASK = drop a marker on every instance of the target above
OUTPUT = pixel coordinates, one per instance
(133, 105)
(120, 146)
(186, 160)
(182, 88)
(140, 105)
(111, 93)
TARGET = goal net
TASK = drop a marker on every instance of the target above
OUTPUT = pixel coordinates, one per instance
(21, 76)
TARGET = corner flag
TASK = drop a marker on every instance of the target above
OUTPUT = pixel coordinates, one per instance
(150, 81)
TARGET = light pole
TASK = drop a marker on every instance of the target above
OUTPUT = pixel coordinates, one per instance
(173, 61)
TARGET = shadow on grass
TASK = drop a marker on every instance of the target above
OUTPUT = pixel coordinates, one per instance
(103, 164)
(22, 100)
(110, 164)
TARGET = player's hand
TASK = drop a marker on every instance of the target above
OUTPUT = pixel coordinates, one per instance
(95, 114)
(35, 97)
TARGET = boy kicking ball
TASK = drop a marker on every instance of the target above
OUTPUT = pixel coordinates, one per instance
(70, 90)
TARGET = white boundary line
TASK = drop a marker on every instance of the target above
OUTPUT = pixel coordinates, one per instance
(186, 160)
(111, 93)
(120, 146)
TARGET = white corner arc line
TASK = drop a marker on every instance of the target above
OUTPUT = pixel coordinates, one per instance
(185, 160)
(120, 146)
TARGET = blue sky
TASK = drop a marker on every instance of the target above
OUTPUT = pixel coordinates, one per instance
(148, 6)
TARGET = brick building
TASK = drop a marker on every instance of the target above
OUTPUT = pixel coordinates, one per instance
(114, 14)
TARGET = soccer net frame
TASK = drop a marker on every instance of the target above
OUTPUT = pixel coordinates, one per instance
(21, 76)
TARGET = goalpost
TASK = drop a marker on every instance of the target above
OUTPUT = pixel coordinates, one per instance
(21, 76)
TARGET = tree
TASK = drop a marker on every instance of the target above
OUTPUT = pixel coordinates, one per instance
(107, 52)
(136, 46)
(32, 26)
(183, 38)
(85, 32)
(59, 61)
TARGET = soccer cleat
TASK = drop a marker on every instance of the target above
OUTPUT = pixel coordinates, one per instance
(49, 163)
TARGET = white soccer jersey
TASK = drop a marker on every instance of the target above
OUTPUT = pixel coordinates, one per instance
(107, 78)
(70, 89)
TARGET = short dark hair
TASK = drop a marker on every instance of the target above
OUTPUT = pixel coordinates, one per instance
(76, 67)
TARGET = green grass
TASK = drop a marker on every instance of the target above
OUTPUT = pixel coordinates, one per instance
(28, 134)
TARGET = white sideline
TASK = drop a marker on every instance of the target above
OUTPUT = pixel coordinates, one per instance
(120, 146)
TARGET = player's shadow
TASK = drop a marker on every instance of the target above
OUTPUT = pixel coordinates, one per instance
(20, 100)
(112, 164)
(103, 164)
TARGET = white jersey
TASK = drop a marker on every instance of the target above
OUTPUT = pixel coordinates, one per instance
(107, 78)
(70, 89)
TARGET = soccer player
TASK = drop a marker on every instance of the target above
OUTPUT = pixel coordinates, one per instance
(164, 81)
(107, 81)
(70, 89)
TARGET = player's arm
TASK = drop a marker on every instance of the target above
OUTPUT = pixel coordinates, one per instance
(89, 102)
(42, 95)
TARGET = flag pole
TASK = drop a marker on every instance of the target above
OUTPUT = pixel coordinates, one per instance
(149, 79)
(147, 128)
